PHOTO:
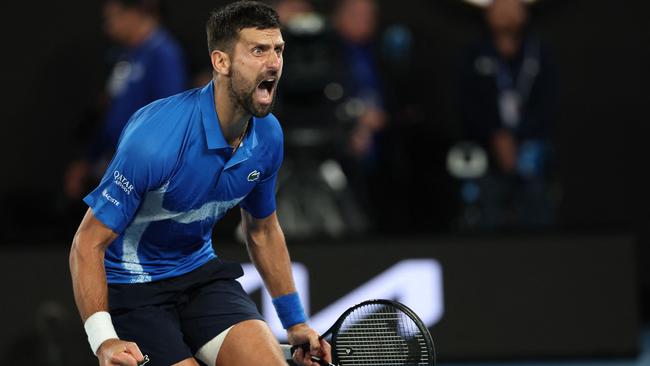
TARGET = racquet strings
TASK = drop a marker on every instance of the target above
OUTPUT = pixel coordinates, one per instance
(380, 334)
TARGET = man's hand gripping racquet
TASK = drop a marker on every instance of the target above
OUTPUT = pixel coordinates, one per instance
(375, 331)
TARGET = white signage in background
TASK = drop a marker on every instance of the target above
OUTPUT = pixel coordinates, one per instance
(417, 283)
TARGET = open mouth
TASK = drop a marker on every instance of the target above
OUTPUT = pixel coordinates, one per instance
(264, 90)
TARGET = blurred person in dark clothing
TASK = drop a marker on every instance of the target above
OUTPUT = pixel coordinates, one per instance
(356, 22)
(149, 64)
(363, 108)
(509, 98)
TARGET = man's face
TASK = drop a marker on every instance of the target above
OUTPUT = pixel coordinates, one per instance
(256, 67)
(119, 21)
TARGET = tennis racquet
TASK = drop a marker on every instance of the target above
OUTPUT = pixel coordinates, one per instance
(373, 332)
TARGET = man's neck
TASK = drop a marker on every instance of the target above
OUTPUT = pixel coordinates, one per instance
(233, 120)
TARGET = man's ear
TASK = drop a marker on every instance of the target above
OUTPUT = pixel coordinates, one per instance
(220, 62)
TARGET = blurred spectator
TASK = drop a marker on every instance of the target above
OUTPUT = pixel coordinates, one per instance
(148, 65)
(289, 10)
(508, 106)
(355, 22)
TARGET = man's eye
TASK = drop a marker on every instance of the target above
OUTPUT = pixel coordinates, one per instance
(257, 51)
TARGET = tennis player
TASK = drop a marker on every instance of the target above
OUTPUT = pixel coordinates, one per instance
(146, 280)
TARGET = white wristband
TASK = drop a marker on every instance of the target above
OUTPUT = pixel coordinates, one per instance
(99, 328)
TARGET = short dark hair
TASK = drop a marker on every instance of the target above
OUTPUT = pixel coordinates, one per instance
(224, 24)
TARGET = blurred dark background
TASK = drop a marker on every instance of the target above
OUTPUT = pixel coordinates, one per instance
(54, 65)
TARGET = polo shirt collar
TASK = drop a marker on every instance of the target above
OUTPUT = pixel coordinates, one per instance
(213, 135)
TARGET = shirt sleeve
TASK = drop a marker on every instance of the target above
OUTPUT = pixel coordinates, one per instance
(134, 170)
(260, 202)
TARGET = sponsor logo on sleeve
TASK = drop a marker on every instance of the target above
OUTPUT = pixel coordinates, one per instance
(122, 182)
(110, 198)
(253, 176)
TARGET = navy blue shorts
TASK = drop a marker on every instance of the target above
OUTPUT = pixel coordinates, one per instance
(172, 318)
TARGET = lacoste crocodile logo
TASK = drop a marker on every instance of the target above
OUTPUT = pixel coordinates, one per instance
(253, 176)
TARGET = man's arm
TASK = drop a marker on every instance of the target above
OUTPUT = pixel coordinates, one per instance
(90, 288)
(268, 251)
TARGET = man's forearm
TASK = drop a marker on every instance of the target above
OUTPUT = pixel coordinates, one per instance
(88, 278)
(269, 253)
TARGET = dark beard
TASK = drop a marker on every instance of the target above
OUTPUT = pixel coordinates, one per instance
(242, 92)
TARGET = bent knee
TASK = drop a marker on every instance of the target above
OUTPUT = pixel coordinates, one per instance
(246, 342)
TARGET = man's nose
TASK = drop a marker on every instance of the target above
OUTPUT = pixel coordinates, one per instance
(274, 61)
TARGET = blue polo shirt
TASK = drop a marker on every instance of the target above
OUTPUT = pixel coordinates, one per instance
(173, 177)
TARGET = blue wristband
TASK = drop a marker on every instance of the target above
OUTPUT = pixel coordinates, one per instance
(289, 310)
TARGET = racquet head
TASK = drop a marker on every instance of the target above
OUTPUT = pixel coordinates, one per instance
(381, 332)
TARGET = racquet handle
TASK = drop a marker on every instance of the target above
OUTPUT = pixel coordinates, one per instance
(305, 348)
(321, 362)
(146, 360)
